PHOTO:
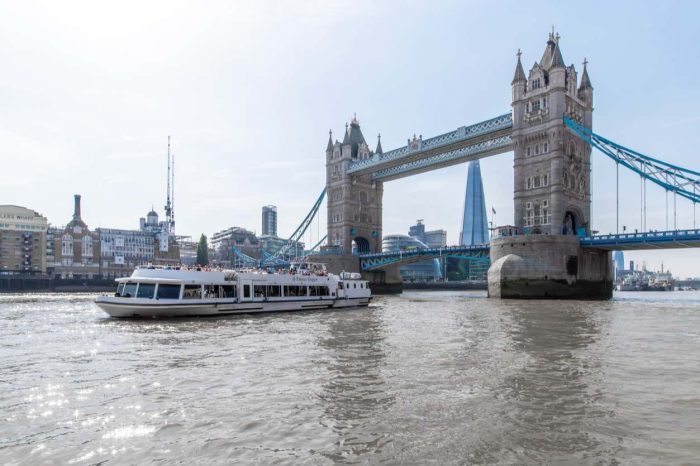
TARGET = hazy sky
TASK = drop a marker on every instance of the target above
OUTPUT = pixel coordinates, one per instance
(89, 92)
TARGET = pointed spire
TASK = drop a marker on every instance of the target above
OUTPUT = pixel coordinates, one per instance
(379, 144)
(519, 75)
(552, 53)
(557, 59)
(346, 138)
(585, 80)
(329, 147)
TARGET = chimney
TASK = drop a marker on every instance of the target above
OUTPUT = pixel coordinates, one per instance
(76, 208)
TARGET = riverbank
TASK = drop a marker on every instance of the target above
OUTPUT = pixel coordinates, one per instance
(39, 284)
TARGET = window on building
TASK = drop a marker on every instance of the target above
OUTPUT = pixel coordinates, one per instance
(537, 149)
(536, 105)
(546, 147)
(67, 245)
(537, 181)
(87, 246)
(545, 180)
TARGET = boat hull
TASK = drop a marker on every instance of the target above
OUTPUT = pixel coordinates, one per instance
(135, 308)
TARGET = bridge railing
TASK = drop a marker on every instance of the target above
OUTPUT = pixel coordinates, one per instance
(465, 132)
(426, 251)
(642, 237)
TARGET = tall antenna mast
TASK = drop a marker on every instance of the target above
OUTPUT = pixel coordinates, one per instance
(168, 205)
(172, 221)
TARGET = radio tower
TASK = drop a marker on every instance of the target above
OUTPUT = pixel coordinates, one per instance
(168, 203)
(172, 211)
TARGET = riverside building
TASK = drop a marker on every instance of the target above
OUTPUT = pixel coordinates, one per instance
(75, 251)
(22, 240)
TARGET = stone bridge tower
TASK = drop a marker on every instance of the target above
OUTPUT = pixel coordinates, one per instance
(354, 202)
(552, 196)
(552, 166)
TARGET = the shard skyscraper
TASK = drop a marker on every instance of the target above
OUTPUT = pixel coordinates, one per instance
(475, 229)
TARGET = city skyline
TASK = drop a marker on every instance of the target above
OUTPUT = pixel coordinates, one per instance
(93, 105)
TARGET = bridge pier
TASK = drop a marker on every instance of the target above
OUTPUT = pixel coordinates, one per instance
(548, 267)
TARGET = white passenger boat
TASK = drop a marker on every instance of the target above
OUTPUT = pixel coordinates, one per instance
(174, 292)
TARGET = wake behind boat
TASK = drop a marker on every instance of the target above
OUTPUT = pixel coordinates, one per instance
(176, 292)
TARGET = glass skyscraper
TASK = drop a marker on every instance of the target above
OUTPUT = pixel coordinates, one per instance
(475, 229)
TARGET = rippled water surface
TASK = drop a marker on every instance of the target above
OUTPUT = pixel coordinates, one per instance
(424, 378)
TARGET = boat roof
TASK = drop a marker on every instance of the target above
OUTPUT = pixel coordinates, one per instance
(189, 275)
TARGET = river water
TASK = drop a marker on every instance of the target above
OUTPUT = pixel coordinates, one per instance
(422, 378)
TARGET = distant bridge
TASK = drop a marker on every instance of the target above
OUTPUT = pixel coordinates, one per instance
(676, 239)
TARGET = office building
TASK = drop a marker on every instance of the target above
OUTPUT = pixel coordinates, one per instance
(427, 270)
(269, 220)
(22, 240)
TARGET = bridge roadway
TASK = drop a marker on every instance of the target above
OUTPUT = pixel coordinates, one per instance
(675, 239)
(466, 143)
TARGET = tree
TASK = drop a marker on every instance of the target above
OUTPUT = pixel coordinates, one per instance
(202, 251)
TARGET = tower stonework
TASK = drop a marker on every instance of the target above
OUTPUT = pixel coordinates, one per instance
(354, 202)
(551, 192)
(552, 166)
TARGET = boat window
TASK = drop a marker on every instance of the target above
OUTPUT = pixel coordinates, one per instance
(129, 290)
(294, 291)
(259, 291)
(146, 290)
(340, 285)
(211, 291)
(313, 291)
(120, 289)
(192, 292)
(228, 291)
(323, 291)
(168, 291)
(274, 291)
(354, 285)
(246, 291)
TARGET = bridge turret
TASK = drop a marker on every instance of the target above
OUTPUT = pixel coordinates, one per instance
(552, 167)
(354, 202)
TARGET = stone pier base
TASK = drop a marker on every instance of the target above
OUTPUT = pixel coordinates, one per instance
(548, 267)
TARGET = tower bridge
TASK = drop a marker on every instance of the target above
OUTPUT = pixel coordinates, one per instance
(550, 252)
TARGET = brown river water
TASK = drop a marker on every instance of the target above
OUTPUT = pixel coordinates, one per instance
(421, 378)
